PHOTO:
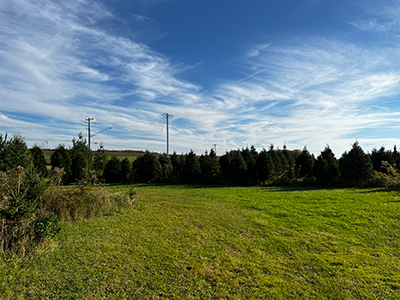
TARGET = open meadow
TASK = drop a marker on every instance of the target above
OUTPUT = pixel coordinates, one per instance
(205, 242)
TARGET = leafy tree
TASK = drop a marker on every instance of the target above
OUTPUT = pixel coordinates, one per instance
(112, 170)
(61, 159)
(192, 168)
(356, 166)
(148, 168)
(305, 164)
(38, 160)
(326, 167)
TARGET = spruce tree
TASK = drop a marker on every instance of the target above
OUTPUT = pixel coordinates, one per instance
(238, 168)
(265, 166)
(61, 159)
(16, 154)
(166, 167)
(126, 170)
(192, 168)
(148, 168)
(38, 160)
(305, 164)
(356, 166)
(326, 167)
(250, 160)
(112, 170)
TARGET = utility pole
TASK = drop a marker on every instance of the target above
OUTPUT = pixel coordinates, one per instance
(89, 121)
(215, 148)
(167, 115)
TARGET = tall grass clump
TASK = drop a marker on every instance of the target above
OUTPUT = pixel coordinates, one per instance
(32, 211)
(72, 204)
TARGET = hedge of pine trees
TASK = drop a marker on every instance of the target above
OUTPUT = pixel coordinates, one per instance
(244, 166)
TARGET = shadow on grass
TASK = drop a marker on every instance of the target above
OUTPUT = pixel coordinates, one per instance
(288, 188)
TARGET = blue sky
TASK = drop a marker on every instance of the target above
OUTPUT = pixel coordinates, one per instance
(233, 73)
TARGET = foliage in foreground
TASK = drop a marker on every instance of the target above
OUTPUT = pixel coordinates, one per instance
(198, 242)
(30, 212)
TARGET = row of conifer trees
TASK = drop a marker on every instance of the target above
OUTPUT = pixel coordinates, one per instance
(272, 166)
(245, 166)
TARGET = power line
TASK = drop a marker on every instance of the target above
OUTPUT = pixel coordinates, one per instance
(155, 144)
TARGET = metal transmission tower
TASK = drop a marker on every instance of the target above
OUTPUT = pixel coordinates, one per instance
(89, 121)
(167, 115)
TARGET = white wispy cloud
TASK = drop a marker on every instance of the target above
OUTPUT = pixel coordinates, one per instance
(57, 63)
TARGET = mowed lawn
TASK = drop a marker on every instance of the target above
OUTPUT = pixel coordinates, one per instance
(198, 242)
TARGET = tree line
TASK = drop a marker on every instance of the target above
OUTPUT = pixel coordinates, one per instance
(244, 166)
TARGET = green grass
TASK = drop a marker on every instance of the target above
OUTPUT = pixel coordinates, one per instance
(196, 242)
(120, 155)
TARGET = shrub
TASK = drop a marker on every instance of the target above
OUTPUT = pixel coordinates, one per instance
(22, 223)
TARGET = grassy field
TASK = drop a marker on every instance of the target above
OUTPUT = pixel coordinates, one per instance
(196, 242)
(120, 155)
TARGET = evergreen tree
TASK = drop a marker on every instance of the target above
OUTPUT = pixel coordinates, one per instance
(38, 160)
(378, 156)
(192, 168)
(396, 157)
(166, 166)
(356, 166)
(79, 145)
(61, 159)
(126, 170)
(16, 154)
(238, 168)
(265, 166)
(148, 168)
(215, 171)
(250, 160)
(100, 159)
(305, 164)
(79, 166)
(177, 166)
(326, 167)
(278, 165)
(205, 165)
(112, 170)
